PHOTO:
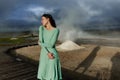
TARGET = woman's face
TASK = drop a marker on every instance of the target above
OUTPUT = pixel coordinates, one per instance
(44, 20)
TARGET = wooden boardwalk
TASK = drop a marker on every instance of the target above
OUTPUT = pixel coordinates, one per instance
(12, 69)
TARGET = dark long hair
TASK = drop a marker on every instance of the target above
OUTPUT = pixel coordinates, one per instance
(52, 21)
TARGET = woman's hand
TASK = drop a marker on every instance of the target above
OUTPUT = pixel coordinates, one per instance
(38, 42)
(50, 55)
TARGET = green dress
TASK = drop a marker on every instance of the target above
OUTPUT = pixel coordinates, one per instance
(48, 69)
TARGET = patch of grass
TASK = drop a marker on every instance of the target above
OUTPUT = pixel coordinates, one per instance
(12, 41)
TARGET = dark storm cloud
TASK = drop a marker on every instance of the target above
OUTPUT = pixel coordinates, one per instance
(6, 6)
(108, 9)
(96, 9)
(9, 6)
(70, 14)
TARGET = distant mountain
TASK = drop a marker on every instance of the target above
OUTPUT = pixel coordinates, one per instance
(19, 25)
(96, 25)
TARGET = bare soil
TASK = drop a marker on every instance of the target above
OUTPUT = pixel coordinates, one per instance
(91, 63)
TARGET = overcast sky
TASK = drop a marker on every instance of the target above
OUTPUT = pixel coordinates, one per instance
(67, 13)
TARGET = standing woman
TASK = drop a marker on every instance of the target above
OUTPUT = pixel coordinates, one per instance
(49, 65)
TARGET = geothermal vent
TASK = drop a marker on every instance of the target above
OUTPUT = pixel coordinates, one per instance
(69, 45)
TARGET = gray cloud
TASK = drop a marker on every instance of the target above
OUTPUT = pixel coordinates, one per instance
(70, 15)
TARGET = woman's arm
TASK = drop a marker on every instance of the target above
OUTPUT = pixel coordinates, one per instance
(52, 41)
(50, 44)
(40, 34)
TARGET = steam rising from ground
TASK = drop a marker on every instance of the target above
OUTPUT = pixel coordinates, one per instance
(70, 21)
(82, 13)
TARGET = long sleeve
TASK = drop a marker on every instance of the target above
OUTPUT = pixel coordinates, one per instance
(53, 40)
(40, 34)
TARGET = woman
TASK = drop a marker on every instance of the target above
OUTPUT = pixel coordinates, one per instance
(49, 65)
